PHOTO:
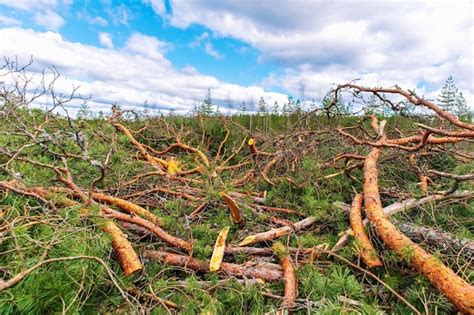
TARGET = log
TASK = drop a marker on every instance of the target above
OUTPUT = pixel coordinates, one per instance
(127, 257)
(229, 269)
(435, 237)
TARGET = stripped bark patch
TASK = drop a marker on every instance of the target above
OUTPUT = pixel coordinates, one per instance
(219, 249)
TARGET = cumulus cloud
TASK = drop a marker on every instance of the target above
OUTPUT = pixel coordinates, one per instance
(50, 20)
(322, 42)
(106, 40)
(131, 75)
(44, 11)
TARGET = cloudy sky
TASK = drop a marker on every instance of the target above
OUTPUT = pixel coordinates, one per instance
(169, 52)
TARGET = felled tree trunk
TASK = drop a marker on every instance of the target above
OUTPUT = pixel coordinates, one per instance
(435, 237)
(127, 256)
(457, 290)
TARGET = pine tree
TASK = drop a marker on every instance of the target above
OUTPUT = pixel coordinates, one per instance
(276, 108)
(262, 111)
(243, 108)
(448, 95)
(462, 111)
(206, 107)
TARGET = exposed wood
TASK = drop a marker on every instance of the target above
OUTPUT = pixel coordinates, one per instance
(219, 249)
(233, 207)
(291, 284)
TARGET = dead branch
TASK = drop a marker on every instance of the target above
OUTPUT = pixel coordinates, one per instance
(229, 269)
(363, 244)
(278, 232)
(291, 284)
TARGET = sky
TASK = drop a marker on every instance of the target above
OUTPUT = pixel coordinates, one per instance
(168, 53)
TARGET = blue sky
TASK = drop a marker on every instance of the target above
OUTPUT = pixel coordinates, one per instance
(170, 52)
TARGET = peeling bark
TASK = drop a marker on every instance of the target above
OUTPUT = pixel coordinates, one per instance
(128, 258)
(233, 207)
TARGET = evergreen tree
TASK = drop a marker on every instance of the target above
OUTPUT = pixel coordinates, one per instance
(206, 107)
(276, 108)
(262, 111)
(262, 106)
(243, 108)
(462, 111)
(448, 95)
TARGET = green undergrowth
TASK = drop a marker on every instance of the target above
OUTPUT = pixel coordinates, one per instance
(85, 286)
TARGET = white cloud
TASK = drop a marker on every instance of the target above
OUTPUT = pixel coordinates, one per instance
(50, 20)
(323, 42)
(157, 5)
(98, 21)
(203, 41)
(119, 14)
(28, 5)
(106, 40)
(210, 50)
(130, 75)
(9, 21)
